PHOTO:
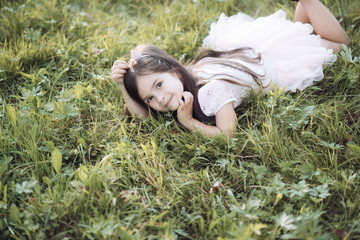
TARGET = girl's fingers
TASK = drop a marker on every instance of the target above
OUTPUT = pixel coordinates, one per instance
(181, 103)
(119, 66)
(117, 76)
(119, 71)
(120, 62)
(188, 97)
(117, 63)
(187, 94)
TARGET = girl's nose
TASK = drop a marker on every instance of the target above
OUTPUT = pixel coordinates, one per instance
(160, 98)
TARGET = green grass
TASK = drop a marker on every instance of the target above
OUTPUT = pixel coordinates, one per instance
(74, 166)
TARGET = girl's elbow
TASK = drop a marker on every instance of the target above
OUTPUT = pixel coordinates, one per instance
(228, 132)
(230, 135)
(347, 41)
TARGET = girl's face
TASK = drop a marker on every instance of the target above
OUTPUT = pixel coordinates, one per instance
(161, 91)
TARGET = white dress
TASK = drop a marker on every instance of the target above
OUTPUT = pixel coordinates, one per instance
(292, 58)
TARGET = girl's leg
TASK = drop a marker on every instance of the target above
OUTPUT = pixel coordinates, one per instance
(300, 14)
(323, 21)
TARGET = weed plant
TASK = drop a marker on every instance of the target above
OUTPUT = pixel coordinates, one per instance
(73, 165)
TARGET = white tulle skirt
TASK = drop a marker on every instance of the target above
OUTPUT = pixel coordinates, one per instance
(295, 53)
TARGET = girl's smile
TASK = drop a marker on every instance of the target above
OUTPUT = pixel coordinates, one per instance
(161, 91)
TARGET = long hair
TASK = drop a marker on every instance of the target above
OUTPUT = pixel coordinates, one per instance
(228, 59)
(156, 60)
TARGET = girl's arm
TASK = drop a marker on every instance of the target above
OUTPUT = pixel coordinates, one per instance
(118, 70)
(324, 22)
(225, 119)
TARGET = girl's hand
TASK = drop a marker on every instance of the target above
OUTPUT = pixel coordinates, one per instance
(185, 110)
(118, 70)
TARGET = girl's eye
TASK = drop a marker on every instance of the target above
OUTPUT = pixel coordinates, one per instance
(148, 100)
(159, 85)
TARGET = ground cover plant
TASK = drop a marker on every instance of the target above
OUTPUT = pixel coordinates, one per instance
(73, 165)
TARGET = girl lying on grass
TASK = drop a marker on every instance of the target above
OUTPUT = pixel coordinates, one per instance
(242, 54)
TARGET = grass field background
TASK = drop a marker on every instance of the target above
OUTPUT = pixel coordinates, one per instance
(74, 166)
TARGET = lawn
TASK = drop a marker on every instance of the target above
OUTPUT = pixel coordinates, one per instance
(74, 165)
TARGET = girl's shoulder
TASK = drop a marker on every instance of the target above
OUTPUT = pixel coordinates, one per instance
(213, 95)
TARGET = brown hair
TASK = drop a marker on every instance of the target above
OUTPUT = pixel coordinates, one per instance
(226, 58)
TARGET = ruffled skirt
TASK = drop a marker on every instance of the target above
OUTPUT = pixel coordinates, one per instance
(295, 53)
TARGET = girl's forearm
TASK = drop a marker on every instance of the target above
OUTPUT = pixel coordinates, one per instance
(207, 130)
(133, 107)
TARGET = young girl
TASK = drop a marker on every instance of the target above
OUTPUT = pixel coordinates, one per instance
(245, 54)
